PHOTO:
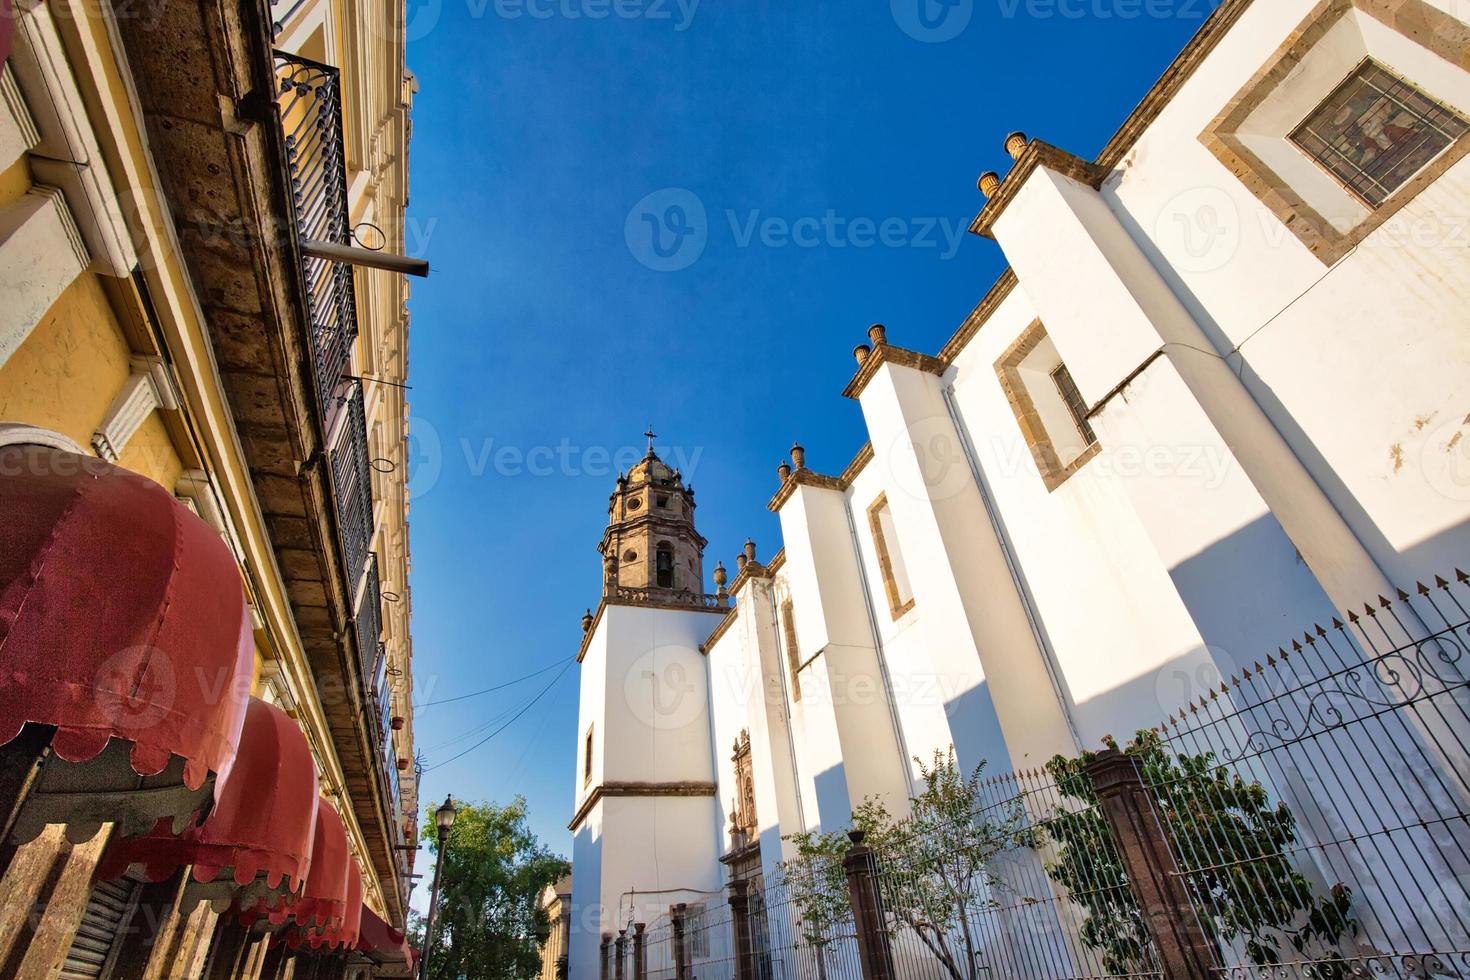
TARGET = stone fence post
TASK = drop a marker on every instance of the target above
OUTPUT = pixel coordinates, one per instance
(677, 914)
(640, 969)
(740, 923)
(602, 960)
(1185, 951)
(874, 949)
(620, 945)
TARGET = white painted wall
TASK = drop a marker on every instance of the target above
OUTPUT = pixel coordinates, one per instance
(645, 695)
(1361, 367)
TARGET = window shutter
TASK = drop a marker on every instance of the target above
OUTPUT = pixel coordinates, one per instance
(108, 910)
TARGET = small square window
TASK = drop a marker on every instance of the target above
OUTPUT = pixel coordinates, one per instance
(1376, 131)
(1050, 410)
(890, 559)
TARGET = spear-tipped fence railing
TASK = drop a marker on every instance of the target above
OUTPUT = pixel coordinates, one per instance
(1316, 803)
(1308, 818)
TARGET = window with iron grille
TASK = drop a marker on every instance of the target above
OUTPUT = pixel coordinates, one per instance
(1076, 407)
(696, 932)
(1376, 131)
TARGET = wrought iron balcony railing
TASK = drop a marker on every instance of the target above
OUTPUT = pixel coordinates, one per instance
(369, 620)
(352, 479)
(309, 98)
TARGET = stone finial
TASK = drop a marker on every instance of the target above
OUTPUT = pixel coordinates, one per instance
(586, 620)
(988, 183)
(783, 471)
(878, 334)
(721, 576)
(1016, 144)
(750, 549)
(861, 352)
(798, 456)
(740, 560)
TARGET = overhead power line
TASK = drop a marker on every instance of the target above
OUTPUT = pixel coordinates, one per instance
(527, 707)
(497, 687)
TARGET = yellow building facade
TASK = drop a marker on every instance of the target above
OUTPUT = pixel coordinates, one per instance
(163, 174)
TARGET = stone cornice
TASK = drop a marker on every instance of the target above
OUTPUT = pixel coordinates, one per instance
(1179, 71)
(1138, 121)
(648, 519)
(1037, 154)
(775, 564)
(886, 354)
(587, 636)
(981, 313)
(637, 603)
(862, 459)
(719, 630)
(611, 789)
(802, 478)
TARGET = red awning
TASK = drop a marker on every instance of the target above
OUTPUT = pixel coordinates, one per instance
(346, 935)
(121, 617)
(262, 827)
(323, 902)
(380, 940)
(7, 29)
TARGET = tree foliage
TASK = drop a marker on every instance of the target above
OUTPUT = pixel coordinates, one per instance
(1234, 849)
(490, 922)
(936, 866)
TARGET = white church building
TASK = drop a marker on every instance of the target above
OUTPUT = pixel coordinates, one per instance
(1221, 394)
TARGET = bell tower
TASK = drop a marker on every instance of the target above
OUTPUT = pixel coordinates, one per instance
(645, 828)
(650, 544)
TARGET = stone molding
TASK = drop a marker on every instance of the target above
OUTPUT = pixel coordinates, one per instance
(1037, 154)
(885, 560)
(1425, 25)
(1048, 463)
(978, 316)
(146, 389)
(623, 600)
(610, 789)
(888, 354)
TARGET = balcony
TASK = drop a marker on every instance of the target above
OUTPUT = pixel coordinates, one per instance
(369, 620)
(309, 97)
(353, 487)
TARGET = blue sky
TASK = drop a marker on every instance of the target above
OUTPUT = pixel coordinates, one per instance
(808, 169)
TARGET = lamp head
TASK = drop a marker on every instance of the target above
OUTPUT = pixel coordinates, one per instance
(444, 816)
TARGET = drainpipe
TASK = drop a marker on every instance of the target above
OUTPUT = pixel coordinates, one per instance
(1028, 602)
(781, 661)
(857, 554)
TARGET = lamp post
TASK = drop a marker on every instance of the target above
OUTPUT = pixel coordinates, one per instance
(444, 818)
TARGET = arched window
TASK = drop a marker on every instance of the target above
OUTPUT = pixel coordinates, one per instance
(664, 566)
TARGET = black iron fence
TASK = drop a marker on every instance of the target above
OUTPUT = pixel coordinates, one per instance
(1315, 806)
(309, 99)
(1306, 819)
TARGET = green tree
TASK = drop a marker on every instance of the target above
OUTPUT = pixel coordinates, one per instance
(1235, 846)
(490, 923)
(937, 866)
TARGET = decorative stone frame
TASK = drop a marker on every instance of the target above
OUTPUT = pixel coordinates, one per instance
(896, 605)
(1008, 369)
(1427, 26)
(793, 649)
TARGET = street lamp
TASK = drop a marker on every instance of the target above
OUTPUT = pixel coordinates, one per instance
(444, 818)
